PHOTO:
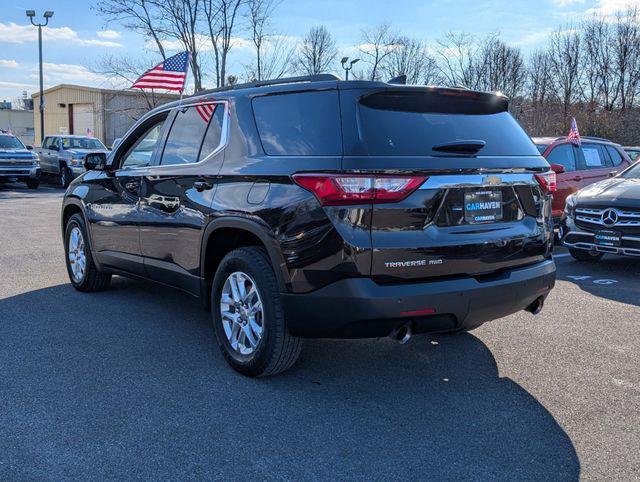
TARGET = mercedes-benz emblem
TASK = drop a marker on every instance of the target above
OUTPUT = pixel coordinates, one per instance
(609, 217)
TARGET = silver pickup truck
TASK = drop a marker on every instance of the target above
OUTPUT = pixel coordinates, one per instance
(63, 156)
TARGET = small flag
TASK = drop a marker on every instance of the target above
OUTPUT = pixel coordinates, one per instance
(9, 131)
(89, 132)
(167, 75)
(205, 111)
(574, 135)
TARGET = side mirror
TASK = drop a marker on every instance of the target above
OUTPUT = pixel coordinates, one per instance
(30, 148)
(613, 173)
(95, 161)
(557, 168)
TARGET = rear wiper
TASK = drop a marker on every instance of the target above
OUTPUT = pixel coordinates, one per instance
(462, 147)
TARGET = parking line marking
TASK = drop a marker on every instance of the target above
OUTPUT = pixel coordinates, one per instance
(561, 255)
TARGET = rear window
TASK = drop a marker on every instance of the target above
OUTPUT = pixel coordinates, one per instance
(413, 123)
(299, 124)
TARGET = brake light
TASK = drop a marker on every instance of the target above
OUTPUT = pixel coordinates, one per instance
(547, 181)
(338, 189)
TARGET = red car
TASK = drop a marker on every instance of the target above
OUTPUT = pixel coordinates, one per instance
(576, 167)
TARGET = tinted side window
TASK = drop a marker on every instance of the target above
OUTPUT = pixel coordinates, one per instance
(299, 124)
(563, 155)
(213, 135)
(140, 153)
(46, 143)
(593, 156)
(185, 138)
(615, 156)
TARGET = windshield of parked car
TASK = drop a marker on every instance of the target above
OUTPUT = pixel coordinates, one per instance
(10, 142)
(81, 143)
(542, 147)
(632, 172)
(633, 155)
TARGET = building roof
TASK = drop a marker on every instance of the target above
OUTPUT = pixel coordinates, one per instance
(99, 90)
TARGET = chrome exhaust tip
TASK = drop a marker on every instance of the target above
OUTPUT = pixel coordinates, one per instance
(536, 307)
(401, 334)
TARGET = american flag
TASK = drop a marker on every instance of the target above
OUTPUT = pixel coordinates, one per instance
(89, 132)
(574, 135)
(205, 111)
(167, 75)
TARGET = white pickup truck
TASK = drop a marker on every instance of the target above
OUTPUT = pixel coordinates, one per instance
(63, 156)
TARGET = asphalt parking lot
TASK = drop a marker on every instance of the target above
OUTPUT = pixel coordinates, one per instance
(129, 384)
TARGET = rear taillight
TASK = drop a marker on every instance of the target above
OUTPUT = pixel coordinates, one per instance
(337, 189)
(547, 181)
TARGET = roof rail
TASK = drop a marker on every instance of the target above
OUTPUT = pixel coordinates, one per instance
(591, 138)
(264, 83)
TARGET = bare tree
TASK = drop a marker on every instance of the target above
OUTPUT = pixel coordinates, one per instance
(140, 16)
(258, 15)
(564, 51)
(456, 55)
(276, 59)
(221, 17)
(626, 52)
(317, 52)
(499, 67)
(182, 23)
(409, 57)
(376, 44)
(597, 63)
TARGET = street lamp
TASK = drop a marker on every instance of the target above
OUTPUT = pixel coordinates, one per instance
(47, 15)
(347, 69)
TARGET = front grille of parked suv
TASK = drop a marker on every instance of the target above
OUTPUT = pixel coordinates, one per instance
(591, 218)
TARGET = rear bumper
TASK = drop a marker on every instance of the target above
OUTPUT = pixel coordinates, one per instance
(360, 308)
(20, 172)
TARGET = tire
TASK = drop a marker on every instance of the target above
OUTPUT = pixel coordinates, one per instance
(91, 279)
(276, 350)
(65, 176)
(583, 255)
(33, 183)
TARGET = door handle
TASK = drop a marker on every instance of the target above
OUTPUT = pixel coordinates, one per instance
(132, 186)
(202, 185)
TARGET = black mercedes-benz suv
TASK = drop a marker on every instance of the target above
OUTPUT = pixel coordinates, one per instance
(314, 207)
(604, 218)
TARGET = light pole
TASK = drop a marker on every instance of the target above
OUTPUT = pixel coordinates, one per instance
(47, 15)
(347, 69)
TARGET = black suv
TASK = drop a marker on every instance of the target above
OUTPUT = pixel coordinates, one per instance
(314, 207)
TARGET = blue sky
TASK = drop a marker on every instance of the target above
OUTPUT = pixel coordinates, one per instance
(78, 38)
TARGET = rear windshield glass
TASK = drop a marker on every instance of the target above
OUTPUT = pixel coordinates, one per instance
(385, 130)
(299, 124)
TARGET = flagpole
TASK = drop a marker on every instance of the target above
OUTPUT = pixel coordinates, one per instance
(186, 75)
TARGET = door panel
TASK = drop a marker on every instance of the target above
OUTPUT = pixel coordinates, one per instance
(173, 216)
(112, 208)
(177, 194)
(592, 157)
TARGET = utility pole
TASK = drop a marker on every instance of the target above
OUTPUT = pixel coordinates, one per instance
(47, 15)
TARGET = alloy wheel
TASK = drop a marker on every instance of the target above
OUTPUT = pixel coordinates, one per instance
(76, 254)
(242, 313)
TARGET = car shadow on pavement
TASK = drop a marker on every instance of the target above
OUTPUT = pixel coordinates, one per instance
(129, 383)
(613, 277)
